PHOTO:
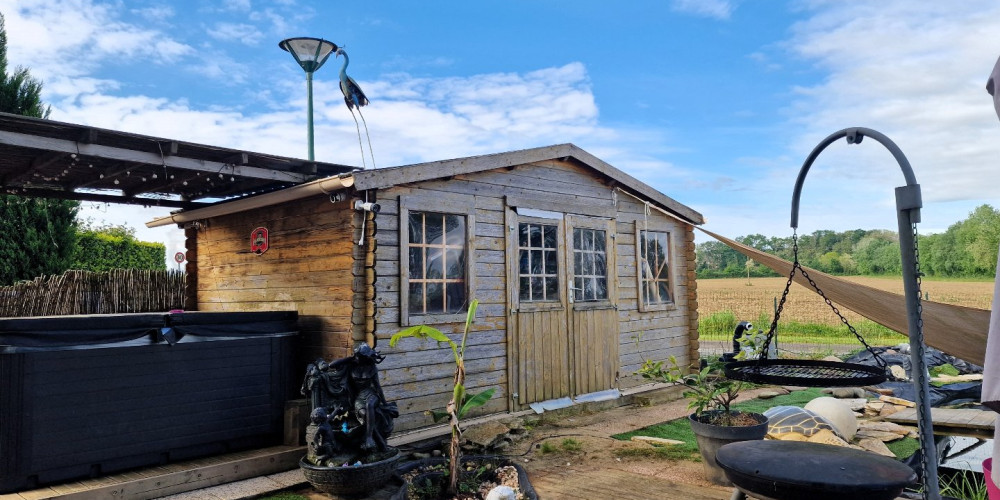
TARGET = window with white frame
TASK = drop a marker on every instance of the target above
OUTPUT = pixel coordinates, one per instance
(590, 265)
(538, 262)
(654, 273)
(436, 246)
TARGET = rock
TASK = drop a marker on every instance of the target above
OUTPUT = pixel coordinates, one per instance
(837, 413)
(420, 456)
(485, 434)
(874, 407)
(883, 436)
(436, 453)
(832, 358)
(884, 427)
(768, 394)
(898, 372)
(889, 410)
(845, 392)
(876, 446)
(502, 493)
(897, 401)
(884, 391)
(855, 404)
(656, 440)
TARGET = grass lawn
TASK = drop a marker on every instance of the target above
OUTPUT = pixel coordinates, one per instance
(680, 430)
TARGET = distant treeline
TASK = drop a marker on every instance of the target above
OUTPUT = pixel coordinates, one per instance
(967, 249)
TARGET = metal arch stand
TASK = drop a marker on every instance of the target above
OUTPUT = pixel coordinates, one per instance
(908, 203)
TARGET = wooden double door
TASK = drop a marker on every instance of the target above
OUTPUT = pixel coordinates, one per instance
(563, 324)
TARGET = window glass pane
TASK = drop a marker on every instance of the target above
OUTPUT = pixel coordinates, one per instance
(523, 259)
(577, 263)
(578, 239)
(665, 291)
(586, 239)
(525, 289)
(536, 262)
(537, 288)
(433, 228)
(600, 266)
(588, 289)
(551, 288)
(578, 292)
(416, 262)
(416, 226)
(536, 236)
(435, 267)
(601, 288)
(551, 262)
(455, 230)
(435, 298)
(456, 264)
(522, 234)
(599, 243)
(455, 297)
(551, 237)
(416, 298)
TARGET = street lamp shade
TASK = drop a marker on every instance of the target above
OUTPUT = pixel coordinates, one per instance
(309, 52)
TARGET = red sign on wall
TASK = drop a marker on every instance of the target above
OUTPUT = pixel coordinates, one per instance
(258, 240)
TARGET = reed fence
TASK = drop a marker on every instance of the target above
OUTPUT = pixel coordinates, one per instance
(87, 292)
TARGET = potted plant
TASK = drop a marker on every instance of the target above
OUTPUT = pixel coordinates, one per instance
(460, 404)
(714, 422)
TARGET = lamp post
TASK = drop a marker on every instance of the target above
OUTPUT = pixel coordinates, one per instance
(310, 53)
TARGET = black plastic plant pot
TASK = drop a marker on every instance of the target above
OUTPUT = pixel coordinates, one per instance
(712, 437)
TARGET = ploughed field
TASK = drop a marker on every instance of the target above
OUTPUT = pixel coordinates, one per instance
(748, 301)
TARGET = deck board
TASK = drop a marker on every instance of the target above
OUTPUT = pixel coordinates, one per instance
(952, 421)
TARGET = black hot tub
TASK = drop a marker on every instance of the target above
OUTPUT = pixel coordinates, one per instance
(82, 396)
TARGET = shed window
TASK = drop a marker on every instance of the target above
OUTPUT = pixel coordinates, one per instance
(437, 263)
(590, 265)
(538, 262)
(654, 268)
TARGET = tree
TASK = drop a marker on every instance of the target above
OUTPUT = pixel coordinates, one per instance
(39, 234)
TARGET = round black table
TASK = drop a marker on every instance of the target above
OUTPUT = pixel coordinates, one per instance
(787, 470)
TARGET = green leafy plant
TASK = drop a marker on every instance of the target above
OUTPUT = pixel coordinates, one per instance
(707, 389)
(461, 402)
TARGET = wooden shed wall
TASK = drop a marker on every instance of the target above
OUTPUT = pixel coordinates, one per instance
(418, 374)
(309, 267)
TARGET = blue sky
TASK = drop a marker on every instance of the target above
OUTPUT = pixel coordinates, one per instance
(715, 103)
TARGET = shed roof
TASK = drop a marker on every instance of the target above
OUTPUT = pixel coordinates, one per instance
(50, 159)
(407, 174)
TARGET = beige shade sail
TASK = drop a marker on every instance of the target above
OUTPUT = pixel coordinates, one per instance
(957, 330)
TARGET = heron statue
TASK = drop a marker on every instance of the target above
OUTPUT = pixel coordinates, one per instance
(355, 98)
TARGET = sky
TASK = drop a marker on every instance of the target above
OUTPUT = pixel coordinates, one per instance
(715, 103)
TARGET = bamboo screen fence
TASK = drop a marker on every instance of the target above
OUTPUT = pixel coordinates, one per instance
(86, 292)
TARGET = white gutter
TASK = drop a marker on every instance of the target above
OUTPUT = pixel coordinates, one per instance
(314, 188)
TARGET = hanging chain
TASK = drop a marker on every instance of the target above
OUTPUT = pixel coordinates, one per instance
(784, 295)
(921, 417)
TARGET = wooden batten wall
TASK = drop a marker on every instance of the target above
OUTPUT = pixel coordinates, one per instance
(418, 374)
(309, 267)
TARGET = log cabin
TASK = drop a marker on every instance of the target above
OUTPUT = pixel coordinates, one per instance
(581, 272)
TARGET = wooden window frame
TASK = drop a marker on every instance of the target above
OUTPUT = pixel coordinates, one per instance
(574, 222)
(515, 251)
(443, 203)
(671, 282)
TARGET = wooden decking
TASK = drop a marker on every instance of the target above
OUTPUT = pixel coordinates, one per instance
(952, 422)
(156, 482)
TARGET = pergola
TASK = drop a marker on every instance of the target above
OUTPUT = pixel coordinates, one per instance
(49, 159)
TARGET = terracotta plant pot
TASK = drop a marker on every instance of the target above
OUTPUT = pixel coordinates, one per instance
(712, 437)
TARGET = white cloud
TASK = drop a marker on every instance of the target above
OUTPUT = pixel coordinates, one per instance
(244, 33)
(717, 9)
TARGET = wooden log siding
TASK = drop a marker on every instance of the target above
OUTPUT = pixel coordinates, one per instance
(659, 334)
(307, 267)
(418, 375)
